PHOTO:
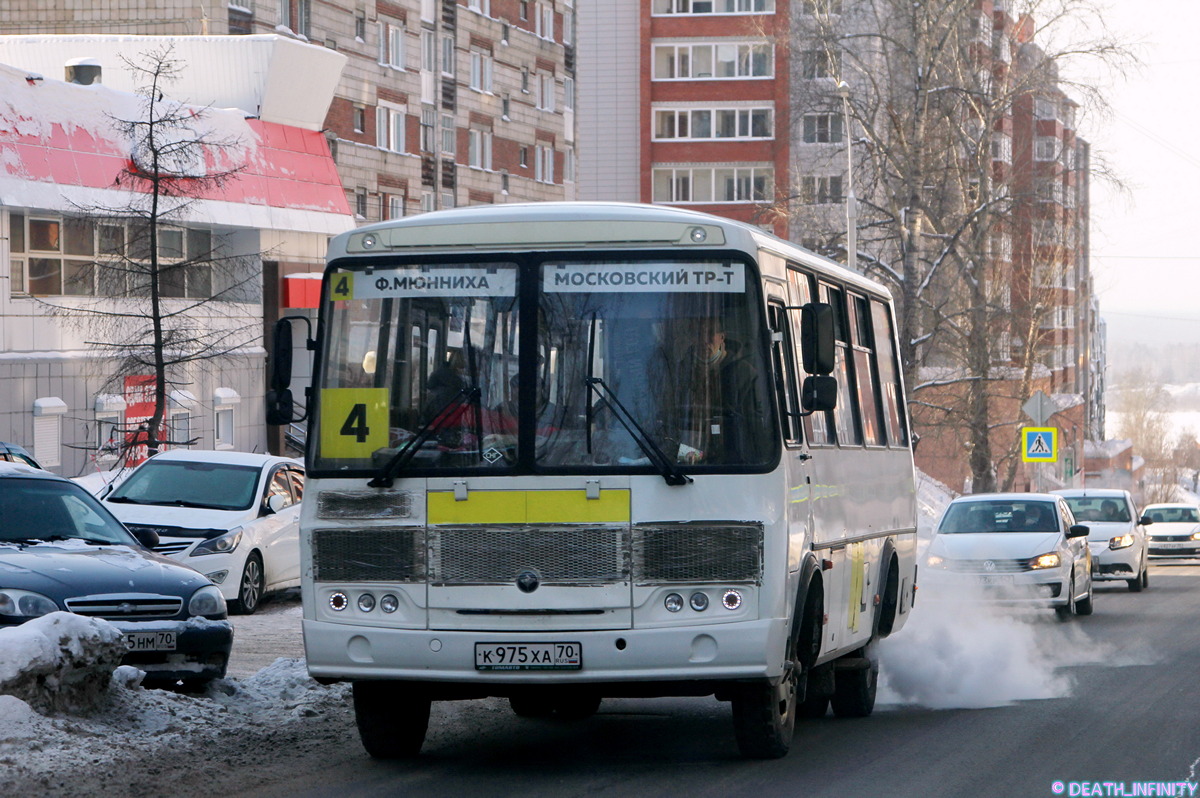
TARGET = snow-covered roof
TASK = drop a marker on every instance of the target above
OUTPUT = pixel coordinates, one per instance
(1106, 449)
(61, 150)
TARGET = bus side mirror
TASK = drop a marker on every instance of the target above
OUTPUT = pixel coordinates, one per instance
(816, 337)
(818, 393)
(281, 357)
(280, 408)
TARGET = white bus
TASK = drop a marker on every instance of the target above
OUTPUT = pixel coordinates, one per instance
(564, 452)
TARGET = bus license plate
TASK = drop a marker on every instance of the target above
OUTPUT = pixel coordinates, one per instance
(150, 641)
(528, 656)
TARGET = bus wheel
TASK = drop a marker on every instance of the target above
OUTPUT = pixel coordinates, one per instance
(764, 718)
(392, 719)
(854, 688)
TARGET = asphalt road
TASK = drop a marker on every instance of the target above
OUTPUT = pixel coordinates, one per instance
(1126, 712)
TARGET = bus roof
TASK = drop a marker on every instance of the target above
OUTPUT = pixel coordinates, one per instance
(537, 226)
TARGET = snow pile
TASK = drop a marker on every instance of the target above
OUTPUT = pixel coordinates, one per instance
(58, 663)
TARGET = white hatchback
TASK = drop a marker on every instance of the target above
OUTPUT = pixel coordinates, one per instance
(1117, 538)
(1174, 529)
(232, 516)
(1014, 548)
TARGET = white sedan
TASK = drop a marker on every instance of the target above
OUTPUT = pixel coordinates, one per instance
(1117, 538)
(1014, 548)
(232, 516)
(1174, 529)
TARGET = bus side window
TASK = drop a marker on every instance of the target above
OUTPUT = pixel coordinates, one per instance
(847, 425)
(889, 375)
(866, 372)
(817, 426)
(783, 360)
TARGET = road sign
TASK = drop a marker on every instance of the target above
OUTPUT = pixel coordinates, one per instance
(1039, 444)
(1040, 407)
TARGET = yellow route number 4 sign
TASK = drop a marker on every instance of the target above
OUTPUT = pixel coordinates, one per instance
(354, 422)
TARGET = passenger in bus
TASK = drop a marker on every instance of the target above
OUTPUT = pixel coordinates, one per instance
(720, 417)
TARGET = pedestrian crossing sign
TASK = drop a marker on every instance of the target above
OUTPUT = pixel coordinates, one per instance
(1039, 444)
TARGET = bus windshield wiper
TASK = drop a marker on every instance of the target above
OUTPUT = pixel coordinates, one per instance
(670, 472)
(400, 459)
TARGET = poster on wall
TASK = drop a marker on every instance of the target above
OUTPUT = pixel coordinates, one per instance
(139, 409)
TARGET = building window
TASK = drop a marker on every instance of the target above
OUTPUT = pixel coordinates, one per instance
(241, 21)
(713, 123)
(504, 182)
(304, 17)
(545, 95)
(389, 128)
(448, 131)
(544, 165)
(479, 149)
(428, 51)
(360, 202)
(821, 190)
(1044, 108)
(448, 56)
(1047, 148)
(568, 29)
(481, 6)
(713, 184)
(224, 430)
(568, 94)
(395, 206)
(713, 7)
(481, 71)
(523, 9)
(285, 13)
(360, 25)
(713, 61)
(525, 80)
(545, 21)
(360, 119)
(819, 64)
(569, 166)
(822, 128)
(391, 45)
(523, 156)
(505, 107)
(428, 128)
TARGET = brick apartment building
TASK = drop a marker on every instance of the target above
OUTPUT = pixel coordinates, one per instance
(441, 102)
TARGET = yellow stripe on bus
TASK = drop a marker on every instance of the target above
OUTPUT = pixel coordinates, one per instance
(529, 507)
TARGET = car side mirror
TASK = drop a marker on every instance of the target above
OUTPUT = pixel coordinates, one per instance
(1145, 520)
(147, 537)
(275, 503)
(1078, 531)
(818, 393)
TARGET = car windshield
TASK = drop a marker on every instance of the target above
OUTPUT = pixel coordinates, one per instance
(188, 483)
(999, 516)
(439, 354)
(1168, 515)
(46, 509)
(1099, 508)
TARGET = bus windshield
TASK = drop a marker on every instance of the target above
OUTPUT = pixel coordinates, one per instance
(626, 358)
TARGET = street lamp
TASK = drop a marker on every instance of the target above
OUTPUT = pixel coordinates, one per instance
(843, 91)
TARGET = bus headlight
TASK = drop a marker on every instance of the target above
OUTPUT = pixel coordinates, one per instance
(731, 599)
(673, 602)
(389, 603)
(699, 602)
(338, 601)
(366, 602)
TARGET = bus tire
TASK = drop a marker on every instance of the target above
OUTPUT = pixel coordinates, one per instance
(392, 719)
(854, 690)
(764, 717)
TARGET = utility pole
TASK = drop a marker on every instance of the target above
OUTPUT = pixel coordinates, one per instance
(843, 91)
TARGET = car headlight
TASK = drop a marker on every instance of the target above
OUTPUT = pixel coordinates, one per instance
(222, 544)
(25, 604)
(1050, 560)
(207, 601)
(934, 561)
(1196, 535)
(1121, 541)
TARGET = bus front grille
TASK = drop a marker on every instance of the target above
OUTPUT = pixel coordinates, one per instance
(384, 554)
(562, 554)
(697, 552)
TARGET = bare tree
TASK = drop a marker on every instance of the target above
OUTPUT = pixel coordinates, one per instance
(161, 296)
(951, 203)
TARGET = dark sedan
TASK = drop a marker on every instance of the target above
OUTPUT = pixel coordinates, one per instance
(61, 550)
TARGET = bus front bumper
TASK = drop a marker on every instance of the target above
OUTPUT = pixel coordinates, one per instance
(715, 653)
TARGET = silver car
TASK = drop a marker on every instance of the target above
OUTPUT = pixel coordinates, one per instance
(1117, 539)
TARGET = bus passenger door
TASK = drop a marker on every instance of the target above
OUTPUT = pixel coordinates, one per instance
(796, 456)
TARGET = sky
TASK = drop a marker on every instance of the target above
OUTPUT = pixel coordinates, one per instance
(1145, 259)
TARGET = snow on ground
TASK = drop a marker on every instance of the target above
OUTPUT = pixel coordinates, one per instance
(44, 750)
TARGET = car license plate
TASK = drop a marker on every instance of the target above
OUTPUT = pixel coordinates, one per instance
(150, 641)
(990, 580)
(528, 656)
